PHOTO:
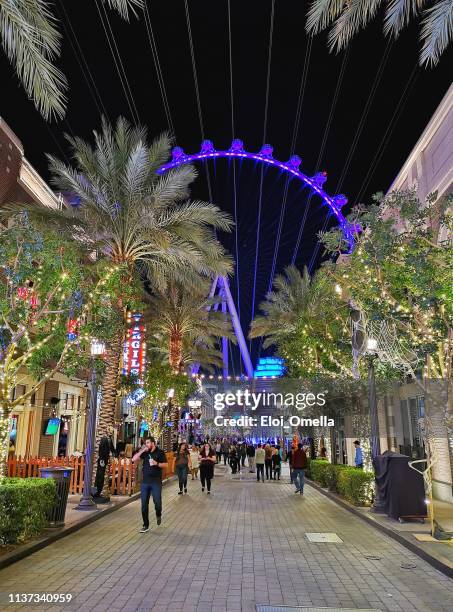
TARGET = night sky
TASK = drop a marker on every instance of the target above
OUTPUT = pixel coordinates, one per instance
(383, 104)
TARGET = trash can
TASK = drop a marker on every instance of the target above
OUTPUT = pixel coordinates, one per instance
(62, 477)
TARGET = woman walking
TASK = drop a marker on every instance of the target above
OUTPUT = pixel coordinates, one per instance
(194, 461)
(182, 466)
(207, 460)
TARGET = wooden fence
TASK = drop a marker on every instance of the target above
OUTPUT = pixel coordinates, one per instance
(123, 473)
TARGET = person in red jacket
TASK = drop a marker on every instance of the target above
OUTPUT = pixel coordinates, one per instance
(299, 465)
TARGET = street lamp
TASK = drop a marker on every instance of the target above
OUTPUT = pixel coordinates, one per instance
(97, 349)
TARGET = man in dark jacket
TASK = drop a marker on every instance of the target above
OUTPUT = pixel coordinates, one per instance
(299, 465)
(251, 457)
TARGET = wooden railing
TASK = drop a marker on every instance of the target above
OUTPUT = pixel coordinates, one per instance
(123, 473)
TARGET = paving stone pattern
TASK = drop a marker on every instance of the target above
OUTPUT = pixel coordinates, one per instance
(243, 545)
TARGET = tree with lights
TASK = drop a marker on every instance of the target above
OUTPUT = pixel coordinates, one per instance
(52, 302)
(128, 215)
(166, 391)
(400, 273)
(303, 318)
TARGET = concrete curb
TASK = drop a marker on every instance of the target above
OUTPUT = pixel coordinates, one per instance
(436, 563)
(29, 548)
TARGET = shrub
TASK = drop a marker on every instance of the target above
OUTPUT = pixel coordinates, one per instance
(24, 504)
(318, 468)
(356, 486)
(331, 476)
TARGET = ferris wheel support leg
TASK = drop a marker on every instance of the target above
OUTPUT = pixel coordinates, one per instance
(237, 327)
(224, 343)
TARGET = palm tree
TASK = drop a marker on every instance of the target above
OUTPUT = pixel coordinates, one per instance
(347, 18)
(32, 42)
(185, 327)
(123, 211)
(307, 323)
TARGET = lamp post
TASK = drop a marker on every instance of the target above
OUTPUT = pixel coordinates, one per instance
(97, 349)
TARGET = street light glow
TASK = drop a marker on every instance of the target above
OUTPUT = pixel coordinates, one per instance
(371, 344)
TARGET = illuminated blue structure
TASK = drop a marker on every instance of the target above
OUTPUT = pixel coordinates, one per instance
(315, 183)
(269, 366)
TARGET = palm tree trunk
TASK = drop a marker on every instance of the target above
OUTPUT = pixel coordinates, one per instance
(175, 352)
(175, 358)
(106, 421)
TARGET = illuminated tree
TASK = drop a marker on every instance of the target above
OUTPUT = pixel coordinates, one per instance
(400, 273)
(130, 216)
(52, 302)
(166, 392)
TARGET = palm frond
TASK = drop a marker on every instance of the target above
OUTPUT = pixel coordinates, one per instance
(399, 14)
(136, 172)
(356, 15)
(124, 7)
(31, 42)
(173, 186)
(437, 31)
(321, 14)
(159, 151)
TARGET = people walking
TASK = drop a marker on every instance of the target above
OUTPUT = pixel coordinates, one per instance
(289, 458)
(207, 460)
(233, 459)
(299, 463)
(276, 463)
(194, 461)
(225, 451)
(182, 466)
(154, 460)
(250, 451)
(268, 461)
(242, 454)
(358, 459)
(260, 458)
(218, 451)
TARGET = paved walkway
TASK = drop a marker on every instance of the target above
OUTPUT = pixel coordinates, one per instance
(243, 545)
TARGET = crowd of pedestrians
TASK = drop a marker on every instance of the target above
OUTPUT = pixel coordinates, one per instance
(263, 459)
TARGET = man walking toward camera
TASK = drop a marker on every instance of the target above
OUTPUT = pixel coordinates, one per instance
(299, 465)
(154, 460)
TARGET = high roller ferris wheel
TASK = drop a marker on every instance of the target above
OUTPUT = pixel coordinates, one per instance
(291, 167)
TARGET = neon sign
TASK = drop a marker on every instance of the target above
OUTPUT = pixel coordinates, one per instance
(134, 351)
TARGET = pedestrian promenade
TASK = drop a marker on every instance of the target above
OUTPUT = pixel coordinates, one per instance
(244, 545)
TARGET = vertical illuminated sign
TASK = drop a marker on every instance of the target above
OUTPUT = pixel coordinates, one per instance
(134, 352)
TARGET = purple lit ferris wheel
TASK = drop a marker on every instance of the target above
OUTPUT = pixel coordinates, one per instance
(315, 183)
